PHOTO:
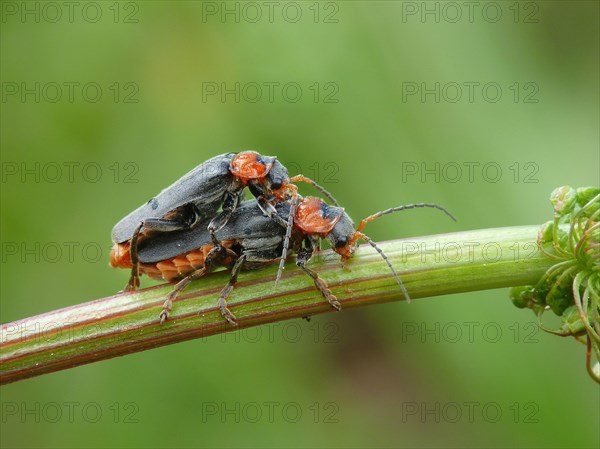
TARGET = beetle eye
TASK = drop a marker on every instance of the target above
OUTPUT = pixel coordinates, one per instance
(341, 242)
(276, 183)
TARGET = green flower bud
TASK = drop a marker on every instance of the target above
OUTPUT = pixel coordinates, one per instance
(560, 298)
(521, 296)
(546, 232)
(586, 194)
(563, 199)
(572, 323)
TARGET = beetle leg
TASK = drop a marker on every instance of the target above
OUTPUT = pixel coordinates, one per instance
(184, 217)
(316, 243)
(230, 203)
(286, 239)
(179, 287)
(134, 279)
(225, 312)
(269, 210)
(303, 257)
(215, 253)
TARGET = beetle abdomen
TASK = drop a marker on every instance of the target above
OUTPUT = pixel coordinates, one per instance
(169, 270)
(119, 256)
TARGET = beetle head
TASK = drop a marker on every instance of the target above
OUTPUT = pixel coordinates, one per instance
(343, 238)
(264, 174)
(278, 181)
(315, 217)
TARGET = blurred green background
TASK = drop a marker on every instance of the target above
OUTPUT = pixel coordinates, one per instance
(124, 95)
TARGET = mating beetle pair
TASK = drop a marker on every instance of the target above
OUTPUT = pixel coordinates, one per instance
(247, 235)
(217, 183)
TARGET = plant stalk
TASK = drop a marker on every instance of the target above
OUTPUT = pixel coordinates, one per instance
(129, 322)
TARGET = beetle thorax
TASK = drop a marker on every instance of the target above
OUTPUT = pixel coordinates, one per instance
(249, 165)
(313, 217)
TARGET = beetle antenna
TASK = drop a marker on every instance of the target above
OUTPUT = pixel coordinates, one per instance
(399, 208)
(288, 233)
(382, 254)
(316, 186)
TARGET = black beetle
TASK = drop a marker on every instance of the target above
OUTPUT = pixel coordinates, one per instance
(198, 195)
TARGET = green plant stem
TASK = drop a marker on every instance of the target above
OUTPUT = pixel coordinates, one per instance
(127, 323)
